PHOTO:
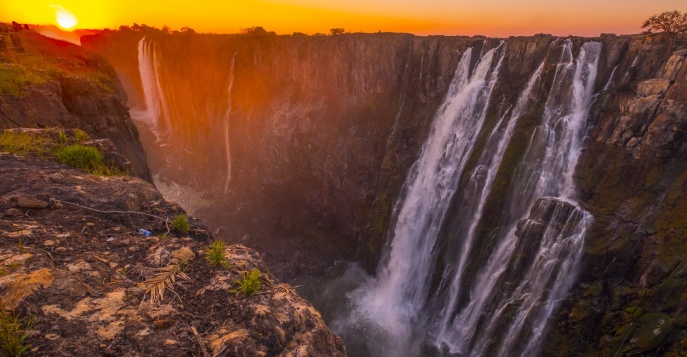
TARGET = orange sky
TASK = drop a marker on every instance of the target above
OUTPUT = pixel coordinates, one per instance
(451, 17)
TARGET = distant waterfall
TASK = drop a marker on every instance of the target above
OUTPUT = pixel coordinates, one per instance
(479, 187)
(227, 116)
(189, 116)
(156, 108)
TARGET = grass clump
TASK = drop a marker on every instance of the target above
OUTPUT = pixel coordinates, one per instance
(66, 149)
(62, 138)
(214, 253)
(13, 79)
(80, 136)
(24, 143)
(180, 224)
(85, 158)
(13, 331)
(250, 283)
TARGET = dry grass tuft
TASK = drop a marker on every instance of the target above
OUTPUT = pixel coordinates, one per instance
(162, 279)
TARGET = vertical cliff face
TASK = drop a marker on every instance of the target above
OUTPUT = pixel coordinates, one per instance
(305, 143)
(632, 178)
(310, 123)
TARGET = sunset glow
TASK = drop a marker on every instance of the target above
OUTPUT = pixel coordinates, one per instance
(64, 18)
(450, 17)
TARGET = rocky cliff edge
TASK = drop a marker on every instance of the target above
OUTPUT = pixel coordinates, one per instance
(53, 83)
(72, 260)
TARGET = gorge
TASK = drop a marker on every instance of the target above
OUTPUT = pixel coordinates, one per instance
(515, 196)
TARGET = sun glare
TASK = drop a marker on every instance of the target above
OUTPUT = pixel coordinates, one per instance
(64, 18)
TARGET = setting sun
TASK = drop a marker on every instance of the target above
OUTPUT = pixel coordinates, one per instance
(64, 18)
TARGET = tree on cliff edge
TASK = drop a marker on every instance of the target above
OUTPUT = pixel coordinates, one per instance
(669, 22)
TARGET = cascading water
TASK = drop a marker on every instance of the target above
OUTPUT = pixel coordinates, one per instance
(227, 116)
(392, 303)
(481, 327)
(177, 117)
(479, 186)
(156, 108)
(504, 308)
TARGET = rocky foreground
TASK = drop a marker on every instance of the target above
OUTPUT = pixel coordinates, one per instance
(81, 271)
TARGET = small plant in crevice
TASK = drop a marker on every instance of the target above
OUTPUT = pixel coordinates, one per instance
(62, 138)
(160, 280)
(184, 265)
(214, 253)
(180, 224)
(249, 284)
(80, 136)
(13, 331)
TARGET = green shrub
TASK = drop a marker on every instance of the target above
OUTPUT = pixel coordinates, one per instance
(250, 283)
(214, 253)
(13, 334)
(85, 158)
(180, 224)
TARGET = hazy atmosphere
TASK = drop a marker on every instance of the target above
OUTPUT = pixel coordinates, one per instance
(448, 17)
(390, 178)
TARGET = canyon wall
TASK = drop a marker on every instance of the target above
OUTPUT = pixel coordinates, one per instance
(309, 140)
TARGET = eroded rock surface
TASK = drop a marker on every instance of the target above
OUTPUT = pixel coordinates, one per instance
(81, 274)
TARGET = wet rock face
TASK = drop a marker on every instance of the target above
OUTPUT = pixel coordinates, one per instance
(632, 179)
(84, 275)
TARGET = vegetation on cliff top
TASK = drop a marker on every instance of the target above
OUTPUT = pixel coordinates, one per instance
(669, 22)
(46, 59)
(67, 149)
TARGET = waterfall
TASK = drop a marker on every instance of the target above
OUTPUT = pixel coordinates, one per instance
(477, 192)
(227, 116)
(501, 307)
(497, 322)
(156, 107)
(392, 302)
